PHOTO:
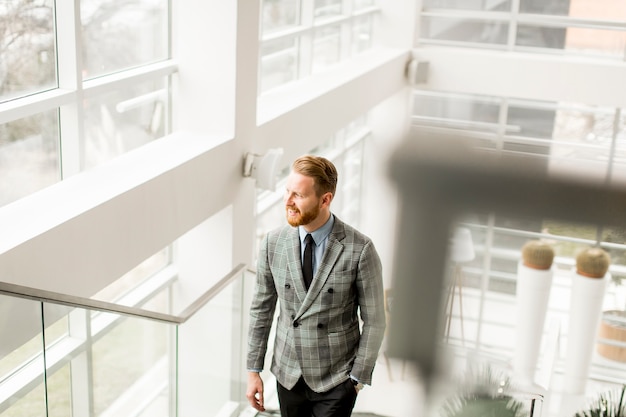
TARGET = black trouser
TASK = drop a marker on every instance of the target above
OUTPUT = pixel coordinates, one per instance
(302, 401)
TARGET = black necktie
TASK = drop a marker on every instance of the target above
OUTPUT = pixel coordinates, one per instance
(307, 265)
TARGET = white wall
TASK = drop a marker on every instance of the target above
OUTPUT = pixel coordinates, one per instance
(519, 75)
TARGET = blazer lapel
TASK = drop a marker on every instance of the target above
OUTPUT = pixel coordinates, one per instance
(295, 265)
(333, 250)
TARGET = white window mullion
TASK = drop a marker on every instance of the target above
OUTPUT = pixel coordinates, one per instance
(345, 49)
(347, 31)
(305, 47)
(69, 67)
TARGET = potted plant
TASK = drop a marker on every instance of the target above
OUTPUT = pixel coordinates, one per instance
(484, 393)
(608, 404)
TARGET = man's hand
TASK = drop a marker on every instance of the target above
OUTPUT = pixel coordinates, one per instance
(254, 393)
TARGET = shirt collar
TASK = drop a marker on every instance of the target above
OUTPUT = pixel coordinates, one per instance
(320, 234)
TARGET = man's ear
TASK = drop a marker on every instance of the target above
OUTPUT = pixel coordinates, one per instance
(327, 198)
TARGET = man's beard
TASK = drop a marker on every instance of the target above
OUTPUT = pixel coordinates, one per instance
(302, 219)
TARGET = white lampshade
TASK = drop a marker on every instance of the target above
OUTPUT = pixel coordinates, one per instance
(462, 246)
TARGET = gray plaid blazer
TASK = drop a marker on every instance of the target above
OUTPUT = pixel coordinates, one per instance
(318, 335)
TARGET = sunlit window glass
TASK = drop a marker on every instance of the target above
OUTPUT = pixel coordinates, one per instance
(326, 47)
(458, 111)
(27, 47)
(361, 34)
(327, 8)
(119, 34)
(468, 5)
(29, 155)
(122, 120)
(582, 140)
(131, 356)
(279, 62)
(558, 8)
(465, 30)
(599, 42)
(607, 43)
(361, 4)
(279, 14)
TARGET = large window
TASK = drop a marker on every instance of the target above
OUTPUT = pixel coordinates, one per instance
(78, 86)
(80, 83)
(573, 27)
(304, 37)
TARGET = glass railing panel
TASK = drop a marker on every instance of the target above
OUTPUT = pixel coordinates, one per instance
(93, 361)
(59, 391)
(131, 366)
(210, 355)
(22, 389)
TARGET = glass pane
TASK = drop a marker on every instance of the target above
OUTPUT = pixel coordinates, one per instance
(279, 62)
(361, 34)
(606, 43)
(463, 30)
(456, 111)
(493, 5)
(279, 14)
(27, 47)
(361, 4)
(59, 391)
(29, 155)
(564, 7)
(122, 120)
(540, 37)
(594, 9)
(326, 47)
(348, 204)
(582, 41)
(21, 359)
(119, 34)
(132, 359)
(582, 140)
(531, 119)
(31, 404)
(326, 8)
(211, 352)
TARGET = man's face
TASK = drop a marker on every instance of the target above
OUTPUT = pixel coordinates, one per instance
(301, 203)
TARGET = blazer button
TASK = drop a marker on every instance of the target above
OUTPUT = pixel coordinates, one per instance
(330, 291)
(287, 286)
(293, 316)
(295, 324)
(320, 325)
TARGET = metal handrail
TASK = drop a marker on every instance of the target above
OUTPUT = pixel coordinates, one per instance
(108, 307)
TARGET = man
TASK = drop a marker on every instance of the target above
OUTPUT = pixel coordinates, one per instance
(321, 357)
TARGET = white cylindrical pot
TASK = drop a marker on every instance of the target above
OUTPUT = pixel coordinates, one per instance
(532, 295)
(585, 313)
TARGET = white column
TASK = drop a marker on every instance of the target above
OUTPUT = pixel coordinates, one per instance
(585, 312)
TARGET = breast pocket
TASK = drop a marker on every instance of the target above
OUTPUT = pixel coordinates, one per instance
(340, 287)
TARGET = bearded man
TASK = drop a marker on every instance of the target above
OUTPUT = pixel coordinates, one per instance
(328, 279)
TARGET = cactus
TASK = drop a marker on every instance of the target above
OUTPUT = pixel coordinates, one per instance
(592, 263)
(537, 254)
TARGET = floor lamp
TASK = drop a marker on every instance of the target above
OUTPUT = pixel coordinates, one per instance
(462, 251)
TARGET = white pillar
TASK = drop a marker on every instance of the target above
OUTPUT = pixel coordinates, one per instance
(585, 312)
(533, 293)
